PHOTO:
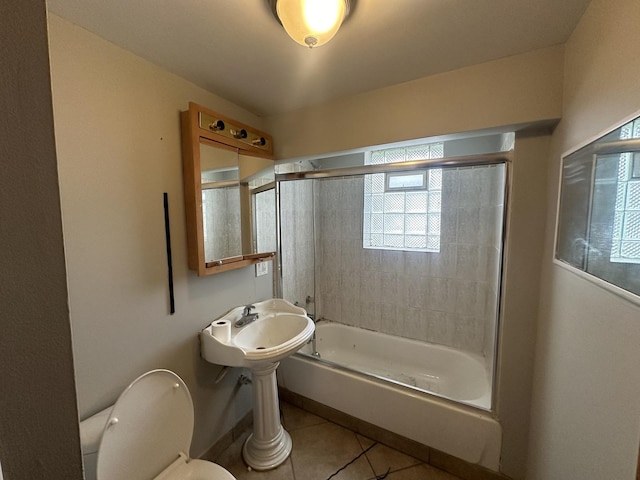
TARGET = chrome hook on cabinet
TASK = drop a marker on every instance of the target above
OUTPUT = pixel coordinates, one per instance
(217, 126)
(242, 133)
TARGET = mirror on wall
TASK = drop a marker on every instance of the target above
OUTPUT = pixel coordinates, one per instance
(221, 216)
(264, 218)
(225, 165)
(598, 229)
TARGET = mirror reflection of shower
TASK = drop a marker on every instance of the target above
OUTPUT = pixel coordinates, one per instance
(397, 251)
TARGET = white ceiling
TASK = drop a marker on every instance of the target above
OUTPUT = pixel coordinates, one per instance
(238, 50)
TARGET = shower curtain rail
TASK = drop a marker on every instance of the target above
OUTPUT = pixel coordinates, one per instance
(448, 162)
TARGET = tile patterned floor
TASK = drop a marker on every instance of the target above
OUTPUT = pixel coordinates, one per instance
(320, 448)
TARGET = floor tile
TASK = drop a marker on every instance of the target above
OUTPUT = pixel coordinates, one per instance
(294, 417)
(231, 459)
(321, 450)
(383, 458)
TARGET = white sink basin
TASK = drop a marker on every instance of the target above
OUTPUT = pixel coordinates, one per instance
(279, 330)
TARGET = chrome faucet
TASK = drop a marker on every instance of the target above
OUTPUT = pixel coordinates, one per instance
(247, 317)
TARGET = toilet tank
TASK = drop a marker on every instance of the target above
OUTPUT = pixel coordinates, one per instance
(90, 435)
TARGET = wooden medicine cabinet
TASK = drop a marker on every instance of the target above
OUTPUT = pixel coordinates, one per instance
(228, 174)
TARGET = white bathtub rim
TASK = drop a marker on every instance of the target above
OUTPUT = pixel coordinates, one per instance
(482, 402)
(436, 346)
(477, 404)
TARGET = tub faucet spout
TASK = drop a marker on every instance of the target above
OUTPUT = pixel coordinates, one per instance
(247, 317)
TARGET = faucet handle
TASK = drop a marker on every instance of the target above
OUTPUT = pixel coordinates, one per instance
(247, 309)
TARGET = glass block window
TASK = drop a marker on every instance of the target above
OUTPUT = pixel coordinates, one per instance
(402, 209)
(625, 246)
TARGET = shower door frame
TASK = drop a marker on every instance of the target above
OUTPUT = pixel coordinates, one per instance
(476, 160)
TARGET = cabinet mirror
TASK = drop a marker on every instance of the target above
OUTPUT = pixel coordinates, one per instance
(228, 174)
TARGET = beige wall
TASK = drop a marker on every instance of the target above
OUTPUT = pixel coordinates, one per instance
(118, 143)
(586, 411)
(38, 415)
(524, 247)
(515, 90)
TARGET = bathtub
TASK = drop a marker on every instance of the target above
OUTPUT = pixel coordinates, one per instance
(408, 389)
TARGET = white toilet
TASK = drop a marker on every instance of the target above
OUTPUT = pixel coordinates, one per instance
(146, 435)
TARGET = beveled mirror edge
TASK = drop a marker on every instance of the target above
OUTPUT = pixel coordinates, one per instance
(192, 135)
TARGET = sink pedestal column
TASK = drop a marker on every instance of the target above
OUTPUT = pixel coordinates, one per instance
(269, 445)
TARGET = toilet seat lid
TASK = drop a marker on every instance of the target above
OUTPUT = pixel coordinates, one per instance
(148, 428)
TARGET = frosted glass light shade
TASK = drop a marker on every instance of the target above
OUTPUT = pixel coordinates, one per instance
(311, 23)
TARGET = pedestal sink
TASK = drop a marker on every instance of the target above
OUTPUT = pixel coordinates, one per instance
(278, 330)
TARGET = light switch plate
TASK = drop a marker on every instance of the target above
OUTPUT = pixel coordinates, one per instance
(262, 268)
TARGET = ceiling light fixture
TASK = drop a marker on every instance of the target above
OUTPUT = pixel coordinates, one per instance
(311, 23)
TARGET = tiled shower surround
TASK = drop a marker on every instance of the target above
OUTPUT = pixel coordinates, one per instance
(447, 298)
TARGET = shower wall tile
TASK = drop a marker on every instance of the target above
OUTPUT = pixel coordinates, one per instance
(487, 256)
(414, 325)
(486, 230)
(415, 291)
(372, 260)
(468, 225)
(470, 187)
(390, 286)
(297, 247)
(371, 316)
(490, 231)
(331, 253)
(351, 227)
(468, 333)
(350, 311)
(442, 328)
(329, 225)
(483, 291)
(468, 262)
(370, 288)
(393, 261)
(392, 319)
(440, 294)
(351, 257)
(350, 284)
(417, 264)
(499, 173)
(485, 179)
(331, 284)
(443, 298)
(469, 298)
(444, 264)
(449, 222)
(331, 307)
(450, 187)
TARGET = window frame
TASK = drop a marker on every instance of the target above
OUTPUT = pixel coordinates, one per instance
(413, 173)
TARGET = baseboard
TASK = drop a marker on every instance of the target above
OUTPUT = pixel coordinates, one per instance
(245, 424)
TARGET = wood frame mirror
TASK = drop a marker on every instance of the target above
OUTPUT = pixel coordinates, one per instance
(221, 157)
